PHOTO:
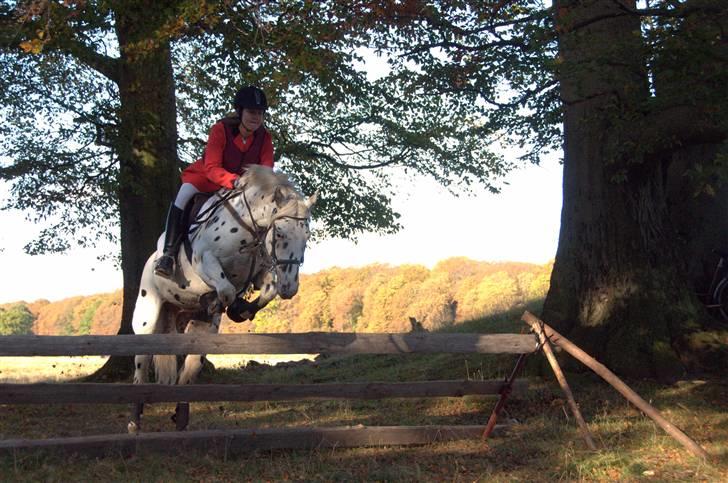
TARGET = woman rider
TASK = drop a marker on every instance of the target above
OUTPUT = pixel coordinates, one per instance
(233, 143)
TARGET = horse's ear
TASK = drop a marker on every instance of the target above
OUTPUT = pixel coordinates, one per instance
(311, 199)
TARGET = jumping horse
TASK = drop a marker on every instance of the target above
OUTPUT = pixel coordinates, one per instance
(251, 238)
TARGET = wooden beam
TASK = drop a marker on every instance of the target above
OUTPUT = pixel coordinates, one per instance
(561, 378)
(225, 442)
(150, 393)
(304, 343)
(618, 384)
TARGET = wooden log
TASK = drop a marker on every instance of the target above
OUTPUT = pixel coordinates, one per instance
(618, 384)
(561, 378)
(225, 442)
(151, 393)
(304, 343)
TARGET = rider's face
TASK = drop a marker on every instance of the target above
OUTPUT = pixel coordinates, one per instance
(252, 118)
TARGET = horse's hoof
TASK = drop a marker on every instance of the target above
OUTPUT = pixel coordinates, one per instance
(132, 427)
(240, 310)
(181, 416)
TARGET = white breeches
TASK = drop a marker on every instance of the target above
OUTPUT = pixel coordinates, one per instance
(185, 194)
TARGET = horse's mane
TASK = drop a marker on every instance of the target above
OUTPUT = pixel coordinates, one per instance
(268, 181)
(265, 179)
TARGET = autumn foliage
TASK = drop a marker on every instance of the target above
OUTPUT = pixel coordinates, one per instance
(375, 298)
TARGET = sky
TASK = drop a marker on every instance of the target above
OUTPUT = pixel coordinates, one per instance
(519, 224)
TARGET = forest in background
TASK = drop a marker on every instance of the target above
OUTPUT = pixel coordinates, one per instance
(374, 298)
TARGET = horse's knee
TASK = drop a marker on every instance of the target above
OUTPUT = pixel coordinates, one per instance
(197, 326)
(141, 369)
(226, 294)
(191, 369)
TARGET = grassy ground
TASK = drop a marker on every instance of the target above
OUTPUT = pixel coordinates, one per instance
(543, 445)
(60, 369)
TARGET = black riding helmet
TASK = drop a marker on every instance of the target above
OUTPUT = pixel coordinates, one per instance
(250, 97)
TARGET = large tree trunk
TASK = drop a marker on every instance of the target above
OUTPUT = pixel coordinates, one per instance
(618, 286)
(699, 215)
(148, 175)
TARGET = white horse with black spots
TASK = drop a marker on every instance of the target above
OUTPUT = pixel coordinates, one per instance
(251, 237)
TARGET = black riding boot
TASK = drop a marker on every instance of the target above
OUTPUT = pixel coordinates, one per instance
(172, 238)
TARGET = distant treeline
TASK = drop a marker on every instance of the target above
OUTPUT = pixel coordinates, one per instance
(375, 298)
(83, 315)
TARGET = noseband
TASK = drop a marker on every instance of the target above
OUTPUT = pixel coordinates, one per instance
(274, 257)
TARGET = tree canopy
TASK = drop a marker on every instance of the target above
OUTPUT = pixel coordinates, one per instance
(16, 319)
(102, 98)
(336, 128)
(374, 298)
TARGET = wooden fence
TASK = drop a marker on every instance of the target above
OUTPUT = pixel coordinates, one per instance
(253, 439)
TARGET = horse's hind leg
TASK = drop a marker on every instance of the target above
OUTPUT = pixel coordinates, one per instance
(193, 362)
(144, 321)
(141, 376)
(192, 366)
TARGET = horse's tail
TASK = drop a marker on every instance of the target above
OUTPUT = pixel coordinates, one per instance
(165, 368)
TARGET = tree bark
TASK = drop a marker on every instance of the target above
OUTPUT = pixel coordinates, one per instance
(618, 286)
(149, 174)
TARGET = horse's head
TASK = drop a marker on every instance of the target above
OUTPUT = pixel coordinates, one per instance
(287, 236)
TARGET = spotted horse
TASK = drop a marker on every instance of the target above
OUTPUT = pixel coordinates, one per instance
(250, 238)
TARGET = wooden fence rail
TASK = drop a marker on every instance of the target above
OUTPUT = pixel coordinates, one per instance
(225, 442)
(308, 343)
(241, 440)
(152, 393)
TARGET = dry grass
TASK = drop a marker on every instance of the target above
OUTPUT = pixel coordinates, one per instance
(59, 369)
(47, 369)
(544, 444)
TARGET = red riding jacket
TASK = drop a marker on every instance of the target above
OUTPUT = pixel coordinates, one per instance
(226, 156)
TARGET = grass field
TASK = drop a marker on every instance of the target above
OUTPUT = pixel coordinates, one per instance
(543, 444)
(59, 369)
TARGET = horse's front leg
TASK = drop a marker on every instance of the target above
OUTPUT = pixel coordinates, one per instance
(241, 309)
(268, 284)
(192, 367)
(211, 272)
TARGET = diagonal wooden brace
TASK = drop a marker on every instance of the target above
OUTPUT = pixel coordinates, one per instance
(546, 347)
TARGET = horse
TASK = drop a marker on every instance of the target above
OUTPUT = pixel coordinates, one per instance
(252, 237)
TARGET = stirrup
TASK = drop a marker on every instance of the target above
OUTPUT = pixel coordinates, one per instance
(164, 267)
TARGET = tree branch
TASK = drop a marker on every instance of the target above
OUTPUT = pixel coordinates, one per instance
(14, 31)
(680, 11)
(103, 64)
(682, 126)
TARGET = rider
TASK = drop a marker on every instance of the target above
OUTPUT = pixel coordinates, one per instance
(235, 142)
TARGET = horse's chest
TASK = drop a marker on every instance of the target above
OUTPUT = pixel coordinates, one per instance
(234, 254)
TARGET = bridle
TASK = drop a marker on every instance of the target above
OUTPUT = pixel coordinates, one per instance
(260, 234)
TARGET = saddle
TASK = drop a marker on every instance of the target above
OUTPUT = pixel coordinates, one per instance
(189, 217)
